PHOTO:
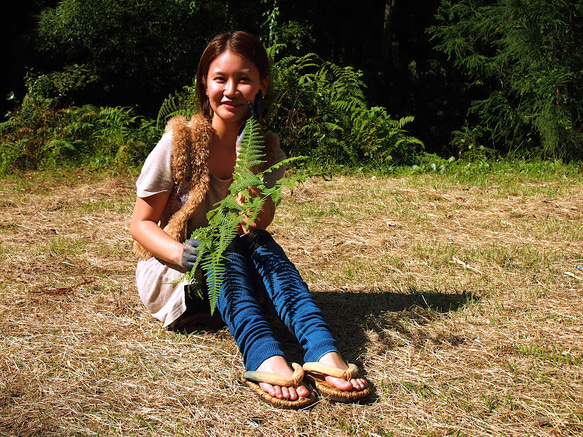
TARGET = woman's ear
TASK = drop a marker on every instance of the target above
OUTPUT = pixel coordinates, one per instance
(264, 84)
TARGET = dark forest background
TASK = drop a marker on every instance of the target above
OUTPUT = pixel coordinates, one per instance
(504, 76)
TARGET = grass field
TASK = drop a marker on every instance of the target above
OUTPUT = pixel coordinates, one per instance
(459, 296)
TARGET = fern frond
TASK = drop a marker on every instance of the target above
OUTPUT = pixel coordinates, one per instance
(225, 219)
(178, 104)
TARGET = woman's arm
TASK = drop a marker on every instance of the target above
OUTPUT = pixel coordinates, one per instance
(145, 230)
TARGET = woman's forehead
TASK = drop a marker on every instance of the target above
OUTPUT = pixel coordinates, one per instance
(232, 61)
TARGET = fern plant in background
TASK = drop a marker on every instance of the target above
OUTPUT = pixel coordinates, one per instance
(322, 108)
(247, 194)
(181, 103)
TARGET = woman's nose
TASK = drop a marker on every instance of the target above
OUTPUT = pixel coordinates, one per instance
(230, 87)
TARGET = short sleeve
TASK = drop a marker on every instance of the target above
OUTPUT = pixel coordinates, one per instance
(156, 174)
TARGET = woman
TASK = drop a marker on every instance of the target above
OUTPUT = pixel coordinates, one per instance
(191, 169)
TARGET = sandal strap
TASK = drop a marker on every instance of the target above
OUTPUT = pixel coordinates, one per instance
(327, 370)
(275, 379)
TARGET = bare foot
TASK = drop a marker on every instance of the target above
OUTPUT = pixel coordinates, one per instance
(335, 360)
(278, 365)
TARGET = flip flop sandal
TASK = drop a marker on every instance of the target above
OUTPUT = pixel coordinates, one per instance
(317, 372)
(252, 378)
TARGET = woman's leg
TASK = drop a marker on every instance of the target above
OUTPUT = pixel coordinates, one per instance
(296, 307)
(290, 296)
(245, 318)
(241, 311)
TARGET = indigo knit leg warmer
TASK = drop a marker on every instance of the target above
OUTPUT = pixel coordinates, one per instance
(244, 316)
(290, 297)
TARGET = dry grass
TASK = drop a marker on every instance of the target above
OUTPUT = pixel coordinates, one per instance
(462, 304)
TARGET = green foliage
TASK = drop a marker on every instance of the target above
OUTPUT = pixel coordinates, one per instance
(97, 138)
(482, 169)
(467, 141)
(46, 133)
(247, 194)
(143, 42)
(285, 35)
(550, 353)
(183, 103)
(33, 124)
(322, 109)
(524, 58)
(139, 51)
(57, 89)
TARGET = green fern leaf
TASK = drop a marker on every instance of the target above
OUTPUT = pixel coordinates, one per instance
(227, 215)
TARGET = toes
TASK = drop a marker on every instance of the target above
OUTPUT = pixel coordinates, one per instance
(359, 383)
(268, 388)
(293, 394)
(302, 391)
(340, 384)
(278, 392)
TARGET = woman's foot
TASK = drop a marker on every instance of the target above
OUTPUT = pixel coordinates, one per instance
(335, 360)
(278, 365)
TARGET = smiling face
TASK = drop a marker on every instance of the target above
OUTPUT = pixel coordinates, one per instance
(231, 82)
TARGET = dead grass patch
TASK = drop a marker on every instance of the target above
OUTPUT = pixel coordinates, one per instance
(461, 303)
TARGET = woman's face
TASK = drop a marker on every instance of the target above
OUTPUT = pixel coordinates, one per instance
(232, 81)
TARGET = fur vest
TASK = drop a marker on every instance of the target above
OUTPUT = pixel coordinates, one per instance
(190, 172)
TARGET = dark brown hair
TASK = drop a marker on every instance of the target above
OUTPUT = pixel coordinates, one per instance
(238, 42)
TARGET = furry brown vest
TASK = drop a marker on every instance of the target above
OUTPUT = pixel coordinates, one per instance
(190, 172)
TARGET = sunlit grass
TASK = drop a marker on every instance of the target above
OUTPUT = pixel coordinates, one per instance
(458, 295)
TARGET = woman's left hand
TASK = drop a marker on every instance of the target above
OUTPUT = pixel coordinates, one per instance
(263, 219)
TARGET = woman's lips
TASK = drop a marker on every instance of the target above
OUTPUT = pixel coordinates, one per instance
(231, 104)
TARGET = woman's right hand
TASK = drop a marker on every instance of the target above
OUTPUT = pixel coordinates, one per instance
(190, 254)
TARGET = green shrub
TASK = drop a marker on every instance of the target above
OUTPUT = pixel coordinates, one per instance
(524, 59)
(45, 133)
(321, 112)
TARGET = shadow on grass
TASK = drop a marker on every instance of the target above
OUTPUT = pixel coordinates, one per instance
(351, 314)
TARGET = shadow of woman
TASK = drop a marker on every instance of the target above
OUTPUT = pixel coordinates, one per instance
(350, 314)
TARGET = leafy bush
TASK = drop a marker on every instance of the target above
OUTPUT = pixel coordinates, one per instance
(87, 136)
(320, 111)
(139, 51)
(46, 133)
(32, 125)
(524, 58)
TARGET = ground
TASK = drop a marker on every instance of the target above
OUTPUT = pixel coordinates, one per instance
(459, 299)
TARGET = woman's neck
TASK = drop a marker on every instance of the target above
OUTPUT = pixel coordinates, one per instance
(225, 134)
(223, 153)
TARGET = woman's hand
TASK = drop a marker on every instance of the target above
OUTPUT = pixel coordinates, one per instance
(190, 254)
(263, 219)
